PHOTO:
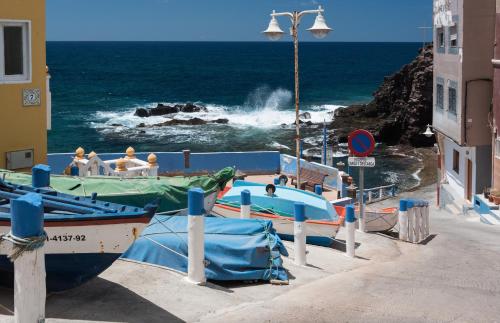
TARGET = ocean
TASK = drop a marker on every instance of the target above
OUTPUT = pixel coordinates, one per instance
(96, 87)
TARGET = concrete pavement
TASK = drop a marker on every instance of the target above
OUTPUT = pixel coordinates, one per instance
(454, 277)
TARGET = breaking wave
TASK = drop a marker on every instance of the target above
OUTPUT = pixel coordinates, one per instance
(263, 109)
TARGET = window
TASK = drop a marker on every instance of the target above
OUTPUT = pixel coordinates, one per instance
(453, 36)
(440, 37)
(452, 100)
(440, 96)
(14, 52)
(456, 161)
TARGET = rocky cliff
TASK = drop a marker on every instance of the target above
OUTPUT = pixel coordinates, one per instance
(400, 109)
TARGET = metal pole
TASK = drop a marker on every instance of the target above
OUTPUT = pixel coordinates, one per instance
(295, 21)
(362, 199)
(324, 143)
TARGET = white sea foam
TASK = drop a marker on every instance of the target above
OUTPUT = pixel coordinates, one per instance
(277, 145)
(262, 109)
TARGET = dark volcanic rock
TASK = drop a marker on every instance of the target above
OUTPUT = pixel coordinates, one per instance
(221, 121)
(164, 109)
(189, 108)
(142, 112)
(177, 122)
(305, 115)
(400, 109)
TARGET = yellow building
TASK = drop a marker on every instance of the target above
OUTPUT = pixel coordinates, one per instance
(23, 84)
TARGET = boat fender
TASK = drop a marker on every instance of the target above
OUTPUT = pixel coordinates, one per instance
(270, 189)
(283, 180)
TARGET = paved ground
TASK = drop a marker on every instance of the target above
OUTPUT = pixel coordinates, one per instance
(454, 277)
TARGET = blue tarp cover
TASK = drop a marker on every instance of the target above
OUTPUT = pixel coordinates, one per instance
(235, 249)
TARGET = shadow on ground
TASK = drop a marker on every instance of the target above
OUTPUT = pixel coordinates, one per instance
(98, 300)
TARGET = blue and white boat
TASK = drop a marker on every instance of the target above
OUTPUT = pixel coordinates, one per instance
(276, 203)
(84, 236)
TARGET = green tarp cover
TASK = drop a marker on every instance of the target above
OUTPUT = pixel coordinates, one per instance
(137, 191)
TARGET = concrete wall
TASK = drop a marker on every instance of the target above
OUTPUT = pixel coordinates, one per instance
(25, 127)
(447, 67)
(481, 170)
(172, 163)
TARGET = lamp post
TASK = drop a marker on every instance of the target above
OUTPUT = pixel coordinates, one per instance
(274, 32)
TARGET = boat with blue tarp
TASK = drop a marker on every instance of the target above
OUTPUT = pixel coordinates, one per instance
(235, 249)
(276, 203)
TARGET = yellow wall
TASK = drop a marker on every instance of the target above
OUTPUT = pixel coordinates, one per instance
(25, 127)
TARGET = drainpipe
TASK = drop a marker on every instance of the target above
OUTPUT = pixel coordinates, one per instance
(464, 123)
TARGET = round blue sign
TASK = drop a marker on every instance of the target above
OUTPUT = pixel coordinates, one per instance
(361, 143)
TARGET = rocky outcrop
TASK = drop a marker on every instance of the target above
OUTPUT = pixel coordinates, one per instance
(164, 109)
(189, 122)
(400, 109)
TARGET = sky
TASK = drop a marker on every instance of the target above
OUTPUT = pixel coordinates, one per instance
(232, 20)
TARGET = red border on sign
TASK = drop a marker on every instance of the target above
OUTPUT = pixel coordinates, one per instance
(357, 153)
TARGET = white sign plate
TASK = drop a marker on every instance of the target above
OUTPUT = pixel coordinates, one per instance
(361, 161)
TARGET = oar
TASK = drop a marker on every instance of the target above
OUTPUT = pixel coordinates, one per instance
(53, 204)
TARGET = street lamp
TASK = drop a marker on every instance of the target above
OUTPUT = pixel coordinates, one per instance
(428, 132)
(319, 30)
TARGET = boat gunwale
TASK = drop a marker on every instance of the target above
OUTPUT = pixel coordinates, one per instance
(280, 217)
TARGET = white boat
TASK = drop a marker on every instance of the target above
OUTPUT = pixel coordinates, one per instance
(322, 221)
(84, 236)
(375, 220)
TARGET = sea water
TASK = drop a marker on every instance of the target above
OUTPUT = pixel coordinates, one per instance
(96, 87)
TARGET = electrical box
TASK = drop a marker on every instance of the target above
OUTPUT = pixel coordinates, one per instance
(19, 159)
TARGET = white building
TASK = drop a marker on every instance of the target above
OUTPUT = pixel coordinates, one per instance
(464, 35)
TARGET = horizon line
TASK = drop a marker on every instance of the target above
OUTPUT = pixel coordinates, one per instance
(235, 41)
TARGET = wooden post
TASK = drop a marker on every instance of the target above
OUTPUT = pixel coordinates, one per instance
(350, 223)
(40, 176)
(196, 237)
(411, 221)
(295, 24)
(403, 220)
(245, 204)
(300, 234)
(29, 265)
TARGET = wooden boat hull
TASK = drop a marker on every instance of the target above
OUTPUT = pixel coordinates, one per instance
(376, 220)
(318, 232)
(77, 251)
(381, 220)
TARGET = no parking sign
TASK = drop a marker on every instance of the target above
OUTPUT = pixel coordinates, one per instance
(361, 143)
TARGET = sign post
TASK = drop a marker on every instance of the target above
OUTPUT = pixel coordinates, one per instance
(361, 144)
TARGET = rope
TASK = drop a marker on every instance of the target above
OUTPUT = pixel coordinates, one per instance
(22, 245)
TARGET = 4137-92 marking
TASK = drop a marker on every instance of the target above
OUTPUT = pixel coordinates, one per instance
(67, 238)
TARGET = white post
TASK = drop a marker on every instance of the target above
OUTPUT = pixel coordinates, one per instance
(29, 267)
(300, 234)
(380, 193)
(403, 220)
(369, 196)
(350, 224)
(196, 237)
(411, 221)
(245, 204)
(418, 220)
